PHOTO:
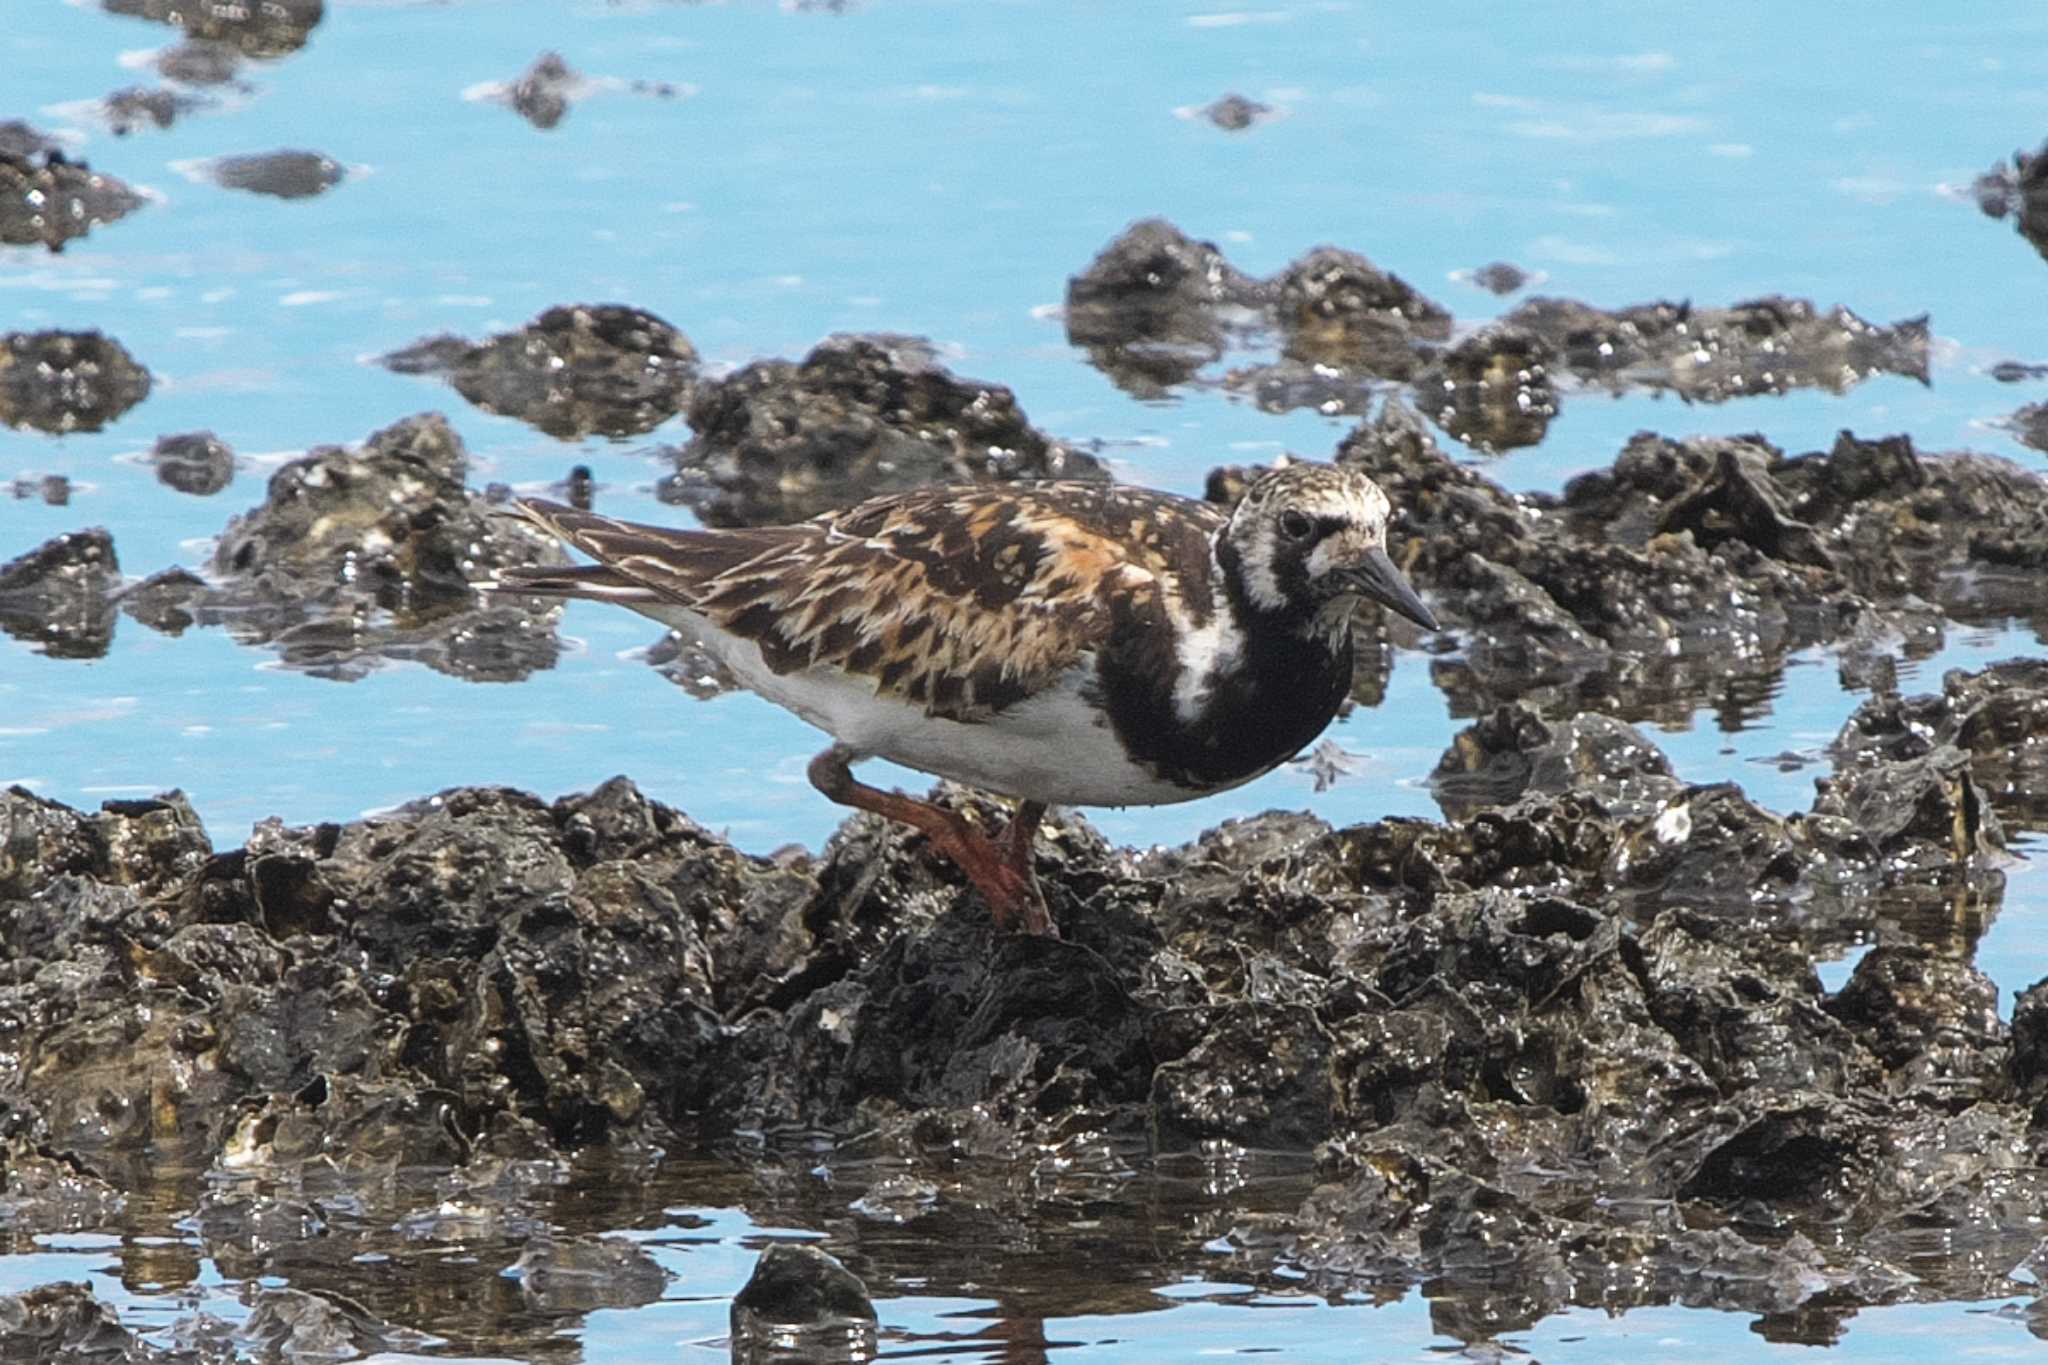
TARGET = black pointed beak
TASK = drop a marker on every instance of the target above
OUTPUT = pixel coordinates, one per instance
(1377, 578)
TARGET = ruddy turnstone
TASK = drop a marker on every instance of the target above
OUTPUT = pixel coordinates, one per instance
(1079, 644)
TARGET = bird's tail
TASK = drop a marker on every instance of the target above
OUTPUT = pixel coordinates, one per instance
(599, 582)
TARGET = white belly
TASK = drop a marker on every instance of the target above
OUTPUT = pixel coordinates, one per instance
(1053, 747)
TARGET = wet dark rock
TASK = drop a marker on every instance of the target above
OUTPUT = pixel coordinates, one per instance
(860, 415)
(1492, 390)
(801, 1304)
(2030, 425)
(40, 1194)
(2014, 372)
(597, 369)
(1997, 717)
(690, 666)
(1932, 1021)
(59, 596)
(275, 28)
(195, 462)
(290, 1324)
(1499, 277)
(1538, 1050)
(199, 61)
(281, 175)
(166, 600)
(2020, 190)
(1690, 568)
(1709, 355)
(136, 107)
(359, 556)
(47, 198)
(1337, 308)
(1234, 113)
(541, 96)
(1155, 306)
(62, 382)
(62, 1322)
(1512, 752)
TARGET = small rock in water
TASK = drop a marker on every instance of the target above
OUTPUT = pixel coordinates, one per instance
(575, 371)
(163, 600)
(860, 415)
(54, 489)
(1234, 113)
(2014, 371)
(62, 382)
(281, 175)
(196, 462)
(801, 1304)
(59, 596)
(542, 95)
(1499, 277)
(135, 107)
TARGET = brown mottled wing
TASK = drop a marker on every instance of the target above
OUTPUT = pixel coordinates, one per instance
(961, 601)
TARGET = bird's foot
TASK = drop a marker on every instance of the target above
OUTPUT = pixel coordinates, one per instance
(1004, 875)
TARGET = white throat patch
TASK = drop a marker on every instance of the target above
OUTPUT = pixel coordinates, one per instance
(1206, 650)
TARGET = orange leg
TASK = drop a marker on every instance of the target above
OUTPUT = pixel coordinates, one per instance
(1004, 875)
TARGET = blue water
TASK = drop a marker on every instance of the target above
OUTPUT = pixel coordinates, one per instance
(940, 169)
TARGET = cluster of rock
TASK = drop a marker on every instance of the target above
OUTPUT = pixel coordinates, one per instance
(1156, 309)
(1570, 1049)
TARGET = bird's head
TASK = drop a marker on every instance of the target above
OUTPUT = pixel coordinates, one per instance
(1307, 540)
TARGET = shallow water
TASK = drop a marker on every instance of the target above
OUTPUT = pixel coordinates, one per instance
(940, 169)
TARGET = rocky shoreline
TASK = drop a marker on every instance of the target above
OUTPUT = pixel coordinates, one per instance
(1568, 1049)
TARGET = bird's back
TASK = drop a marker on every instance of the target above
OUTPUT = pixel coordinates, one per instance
(958, 601)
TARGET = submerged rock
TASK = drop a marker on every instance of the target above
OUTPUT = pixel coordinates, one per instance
(860, 415)
(62, 382)
(281, 175)
(597, 369)
(1234, 113)
(47, 198)
(135, 107)
(59, 597)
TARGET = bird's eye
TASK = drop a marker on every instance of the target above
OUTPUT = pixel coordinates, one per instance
(1295, 526)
